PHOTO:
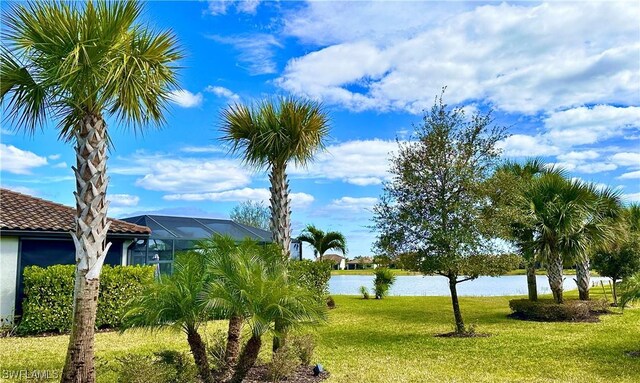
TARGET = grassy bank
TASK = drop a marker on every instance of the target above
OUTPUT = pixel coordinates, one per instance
(392, 341)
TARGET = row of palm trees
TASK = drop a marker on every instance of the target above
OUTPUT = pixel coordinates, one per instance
(78, 64)
(245, 284)
(556, 220)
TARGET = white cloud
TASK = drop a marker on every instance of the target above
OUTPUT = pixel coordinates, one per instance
(631, 197)
(18, 161)
(123, 199)
(6, 132)
(203, 149)
(582, 125)
(522, 145)
(184, 174)
(630, 175)
(220, 7)
(23, 190)
(221, 91)
(256, 52)
(61, 165)
(185, 99)
(361, 163)
(519, 57)
(631, 159)
(584, 162)
(353, 204)
(299, 200)
(54, 157)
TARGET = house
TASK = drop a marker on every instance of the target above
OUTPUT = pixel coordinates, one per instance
(361, 263)
(34, 231)
(339, 262)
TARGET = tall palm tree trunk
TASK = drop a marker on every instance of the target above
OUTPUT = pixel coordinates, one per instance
(554, 273)
(90, 243)
(233, 348)
(532, 285)
(280, 208)
(614, 292)
(248, 358)
(583, 278)
(199, 351)
(457, 314)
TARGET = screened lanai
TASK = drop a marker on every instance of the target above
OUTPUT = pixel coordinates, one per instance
(173, 234)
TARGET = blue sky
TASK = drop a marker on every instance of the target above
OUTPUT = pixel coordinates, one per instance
(564, 77)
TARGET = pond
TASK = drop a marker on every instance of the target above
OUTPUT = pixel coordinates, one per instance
(418, 285)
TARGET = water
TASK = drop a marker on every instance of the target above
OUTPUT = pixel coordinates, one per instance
(418, 285)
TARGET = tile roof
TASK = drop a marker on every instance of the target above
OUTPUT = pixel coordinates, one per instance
(23, 212)
(333, 257)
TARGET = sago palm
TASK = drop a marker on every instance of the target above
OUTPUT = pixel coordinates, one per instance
(269, 135)
(177, 301)
(78, 64)
(569, 217)
(323, 242)
(509, 181)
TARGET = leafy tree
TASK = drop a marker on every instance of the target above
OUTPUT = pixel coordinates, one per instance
(251, 213)
(78, 64)
(570, 218)
(505, 187)
(271, 135)
(630, 290)
(432, 209)
(176, 301)
(323, 242)
(621, 258)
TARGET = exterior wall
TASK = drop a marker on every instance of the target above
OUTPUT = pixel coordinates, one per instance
(8, 273)
(343, 264)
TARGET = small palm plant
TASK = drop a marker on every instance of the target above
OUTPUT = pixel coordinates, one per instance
(176, 301)
(323, 242)
(630, 290)
(384, 278)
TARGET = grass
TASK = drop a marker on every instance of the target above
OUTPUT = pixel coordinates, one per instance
(392, 340)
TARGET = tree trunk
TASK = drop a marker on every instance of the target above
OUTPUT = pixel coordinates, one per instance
(248, 358)
(280, 208)
(554, 273)
(583, 278)
(280, 339)
(90, 244)
(456, 306)
(199, 351)
(614, 293)
(233, 348)
(532, 286)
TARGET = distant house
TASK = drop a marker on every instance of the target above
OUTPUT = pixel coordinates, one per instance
(361, 263)
(339, 262)
(37, 232)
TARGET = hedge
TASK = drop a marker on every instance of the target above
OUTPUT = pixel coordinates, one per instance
(312, 275)
(546, 310)
(48, 296)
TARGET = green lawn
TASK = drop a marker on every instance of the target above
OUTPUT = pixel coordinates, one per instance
(392, 341)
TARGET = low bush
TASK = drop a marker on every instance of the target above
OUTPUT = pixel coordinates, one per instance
(312, 275)
(162, 367)
(216, 348)
(48, 302)
(383, 281)
(365, 292)
(304, 346)
(284, 363)
(546, 310)
(331, 303)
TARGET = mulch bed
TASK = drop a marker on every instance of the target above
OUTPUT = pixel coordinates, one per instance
(304, 374)
(592, 318)
(633, 354)
(454, 334)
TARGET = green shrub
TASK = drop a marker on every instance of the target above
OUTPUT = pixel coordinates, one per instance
(546, 310)
(365, 292)
(304, 346)
(161, 367)
(312, 275)
(331, 303)
(48, 302)
(284, 363)
(383, 281)
(216, 348)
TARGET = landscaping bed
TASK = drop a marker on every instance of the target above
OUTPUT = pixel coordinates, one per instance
(547, 310)
(304, 374)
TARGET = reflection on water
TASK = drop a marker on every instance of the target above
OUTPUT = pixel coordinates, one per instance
(417, 285)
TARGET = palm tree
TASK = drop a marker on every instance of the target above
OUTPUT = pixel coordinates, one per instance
(77, 64)
(513, 179)
(270, 135)
(569, 217)
(176, 301)
(630, 290)
(323, 242)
